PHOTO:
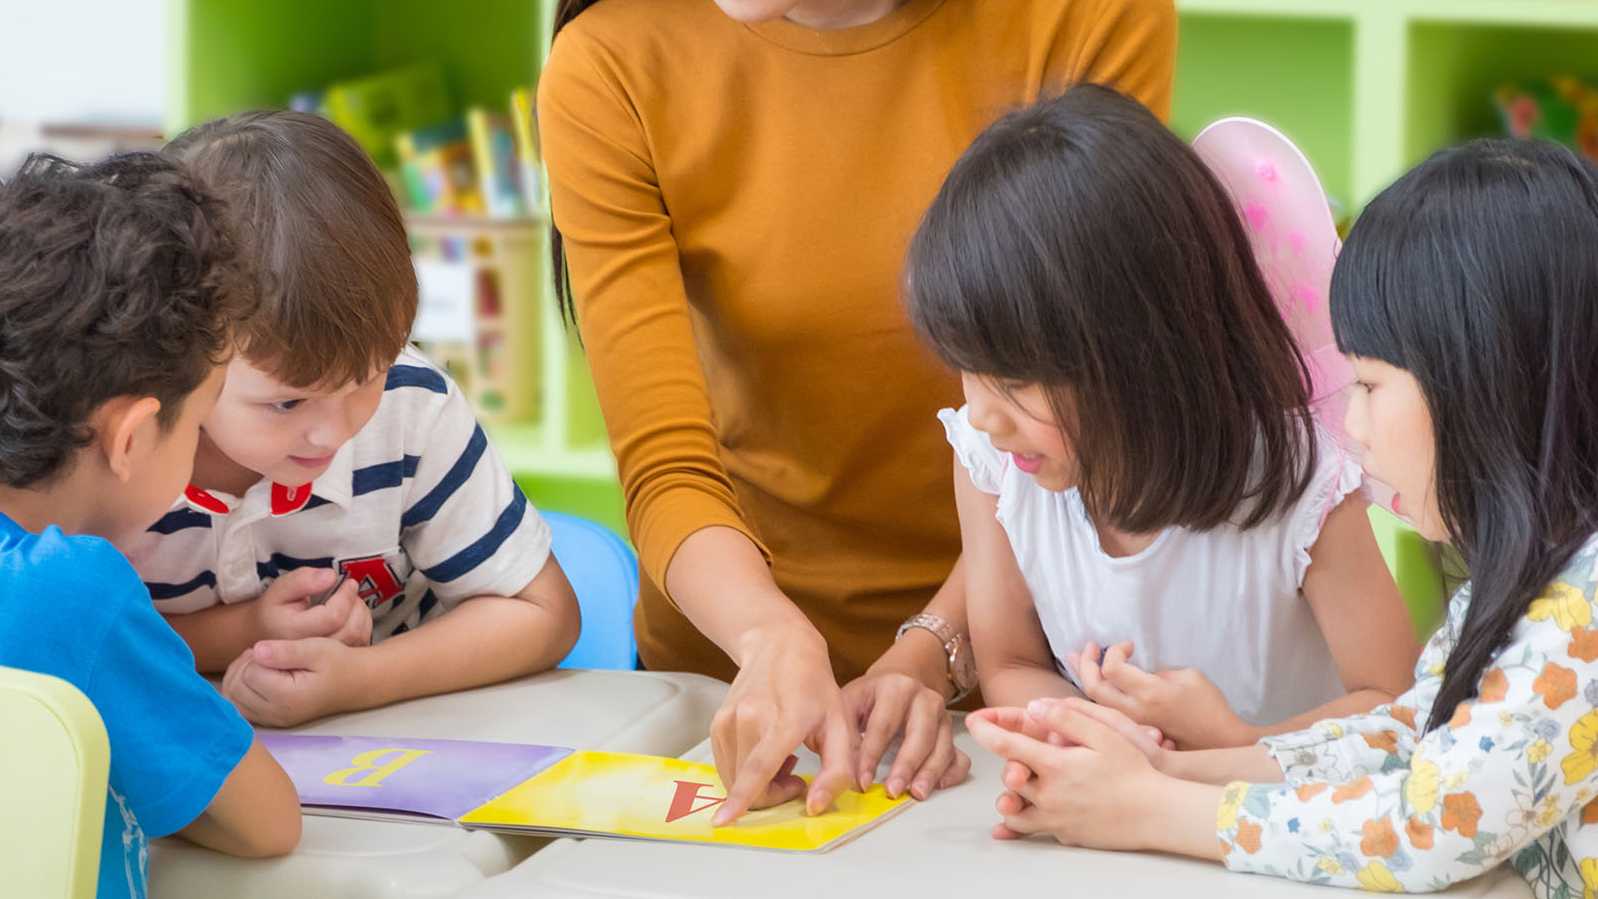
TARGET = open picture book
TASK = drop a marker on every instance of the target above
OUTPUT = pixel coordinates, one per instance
(551, 791)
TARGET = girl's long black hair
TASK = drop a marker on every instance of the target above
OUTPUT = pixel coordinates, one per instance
(1477, 273)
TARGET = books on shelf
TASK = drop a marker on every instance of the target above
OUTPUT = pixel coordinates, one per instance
(471, 185)
(439, 170)
(378, 108)
(499, 175)
(551, 791)
(485, 163)
(527, 152)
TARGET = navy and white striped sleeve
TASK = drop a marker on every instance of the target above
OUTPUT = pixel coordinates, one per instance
(466, 525)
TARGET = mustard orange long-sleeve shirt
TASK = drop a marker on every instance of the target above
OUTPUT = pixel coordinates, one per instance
(736, 201)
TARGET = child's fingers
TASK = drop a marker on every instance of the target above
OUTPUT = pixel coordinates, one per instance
(1119, 670)
(1007, 717)
(291, 655)
(232, 690)
(1097, 688)
(231, 675)
(357, 627)
(1087, 659)
(1026, 822)
(1015, 775)
(324, 620)
(1010, 803)
(248, 703)
(1083, 729)
(1133, 682)
(300, 583)
(1009, 745)
(1087, 669)
(1000, 832)
(1144, 737)
(261, 685)
(1016, 719)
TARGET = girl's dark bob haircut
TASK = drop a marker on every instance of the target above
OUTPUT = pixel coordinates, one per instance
(1080, 245)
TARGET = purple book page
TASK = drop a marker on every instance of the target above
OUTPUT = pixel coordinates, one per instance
(428, 778)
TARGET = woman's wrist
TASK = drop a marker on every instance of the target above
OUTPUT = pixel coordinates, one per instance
(782, 629)
(918, 654)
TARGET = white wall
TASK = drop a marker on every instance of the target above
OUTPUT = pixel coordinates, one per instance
(83, 60)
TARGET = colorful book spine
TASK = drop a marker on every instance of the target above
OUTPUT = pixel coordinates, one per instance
(527, 152)
(498, 170)
(438, 171)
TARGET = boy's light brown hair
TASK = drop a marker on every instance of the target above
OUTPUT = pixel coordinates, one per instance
(318, 226)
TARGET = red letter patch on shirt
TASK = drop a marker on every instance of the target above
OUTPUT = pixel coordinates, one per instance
(374, 580)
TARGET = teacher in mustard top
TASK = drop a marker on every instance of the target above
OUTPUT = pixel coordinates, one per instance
(733, 185)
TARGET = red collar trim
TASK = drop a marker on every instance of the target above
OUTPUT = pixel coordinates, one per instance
(288, 500)
(205, 501)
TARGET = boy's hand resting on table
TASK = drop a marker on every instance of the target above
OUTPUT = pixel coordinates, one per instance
(283, 683)
(1184, 704)
(284, 611)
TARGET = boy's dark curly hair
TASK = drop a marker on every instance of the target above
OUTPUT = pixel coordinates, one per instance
(116, 279)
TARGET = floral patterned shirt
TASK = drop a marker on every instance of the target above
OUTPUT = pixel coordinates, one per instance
(1370, 802)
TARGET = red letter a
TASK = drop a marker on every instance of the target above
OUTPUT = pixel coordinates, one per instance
(682, 804)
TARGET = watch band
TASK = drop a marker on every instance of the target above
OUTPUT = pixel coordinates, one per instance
(960, 669)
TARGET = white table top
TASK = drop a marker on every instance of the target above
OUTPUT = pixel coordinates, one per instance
(941, 846)
(627, 711)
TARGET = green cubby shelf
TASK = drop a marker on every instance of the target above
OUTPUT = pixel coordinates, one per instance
(1366, 87)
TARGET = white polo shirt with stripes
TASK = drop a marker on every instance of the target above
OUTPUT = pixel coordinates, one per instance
(417, 508)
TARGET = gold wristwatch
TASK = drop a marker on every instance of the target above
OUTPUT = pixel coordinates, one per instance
(962, 666)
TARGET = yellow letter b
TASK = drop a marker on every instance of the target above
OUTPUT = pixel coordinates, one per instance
(369, 762)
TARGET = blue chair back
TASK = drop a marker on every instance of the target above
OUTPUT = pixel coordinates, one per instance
(603, 571)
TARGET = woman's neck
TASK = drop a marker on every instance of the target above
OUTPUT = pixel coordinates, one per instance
(830, 15)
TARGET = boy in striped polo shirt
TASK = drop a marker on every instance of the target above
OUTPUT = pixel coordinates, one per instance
(336, 450)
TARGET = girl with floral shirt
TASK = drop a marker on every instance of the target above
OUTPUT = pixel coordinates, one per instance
(1467, 298)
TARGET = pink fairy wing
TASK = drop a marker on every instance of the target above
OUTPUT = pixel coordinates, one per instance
(1289, 223)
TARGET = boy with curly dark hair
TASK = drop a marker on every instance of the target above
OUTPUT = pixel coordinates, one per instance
(116, 297)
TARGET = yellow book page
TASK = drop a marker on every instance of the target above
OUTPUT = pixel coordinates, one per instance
(647, 797)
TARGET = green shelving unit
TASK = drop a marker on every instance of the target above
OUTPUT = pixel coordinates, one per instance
(1366, 87)
(1369, 88)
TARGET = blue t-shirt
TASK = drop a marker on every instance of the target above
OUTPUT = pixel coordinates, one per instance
(73, 607)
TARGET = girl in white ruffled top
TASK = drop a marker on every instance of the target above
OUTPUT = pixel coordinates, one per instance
(1150, 516)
